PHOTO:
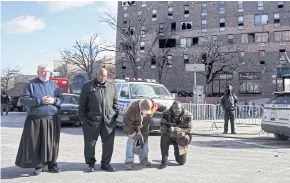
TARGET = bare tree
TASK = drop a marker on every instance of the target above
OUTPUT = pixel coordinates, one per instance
(162, 47)
(9, 75)
(218, 58)
(131, 34)
(84, 54)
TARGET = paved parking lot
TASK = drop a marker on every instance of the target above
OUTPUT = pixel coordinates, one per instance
(213, 158)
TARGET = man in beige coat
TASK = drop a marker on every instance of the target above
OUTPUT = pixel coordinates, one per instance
(136, 121)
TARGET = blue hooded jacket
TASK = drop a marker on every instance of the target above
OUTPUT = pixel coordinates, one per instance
(33, 94)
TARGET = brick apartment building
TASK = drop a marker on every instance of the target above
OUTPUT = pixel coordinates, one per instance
(262, 27)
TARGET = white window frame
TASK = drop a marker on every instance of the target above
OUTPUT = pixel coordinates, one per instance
(260, 5)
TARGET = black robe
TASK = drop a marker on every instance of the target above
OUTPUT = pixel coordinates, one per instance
(39, 142)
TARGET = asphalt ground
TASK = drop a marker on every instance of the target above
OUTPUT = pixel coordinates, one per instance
(250, 156)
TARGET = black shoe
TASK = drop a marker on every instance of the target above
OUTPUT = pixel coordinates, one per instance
(107, 168)
(37, 171)
(233, 133)
(53, 169)
(225, 132)
(91, 168)
(163, 165)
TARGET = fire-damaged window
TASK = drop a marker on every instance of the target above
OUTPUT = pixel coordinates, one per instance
(167, 43)
(186, 25)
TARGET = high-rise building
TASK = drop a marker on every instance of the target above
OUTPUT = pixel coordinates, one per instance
(258, 31)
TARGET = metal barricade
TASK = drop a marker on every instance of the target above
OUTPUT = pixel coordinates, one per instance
(244, 114)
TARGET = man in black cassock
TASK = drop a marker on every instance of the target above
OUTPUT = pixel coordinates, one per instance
(40, 137)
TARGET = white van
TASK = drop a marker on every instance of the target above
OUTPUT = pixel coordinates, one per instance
(128, 91)
(276, 117)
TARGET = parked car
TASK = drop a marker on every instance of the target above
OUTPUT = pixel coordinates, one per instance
(129, 90)
(276, 117)
(68, 112)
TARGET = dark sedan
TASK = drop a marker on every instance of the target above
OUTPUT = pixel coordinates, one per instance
(68, 112)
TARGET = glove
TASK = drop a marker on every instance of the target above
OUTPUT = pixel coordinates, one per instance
(180, 134)
(174, 129)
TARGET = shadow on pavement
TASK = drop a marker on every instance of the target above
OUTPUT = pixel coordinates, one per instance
(244, 143)
(14, 172)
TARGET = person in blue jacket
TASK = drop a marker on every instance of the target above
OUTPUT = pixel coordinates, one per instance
(39, 143)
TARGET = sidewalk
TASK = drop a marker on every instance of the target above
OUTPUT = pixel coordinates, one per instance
(207, 128)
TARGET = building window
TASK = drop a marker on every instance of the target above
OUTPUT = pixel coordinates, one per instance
(170, 13)
(188, 42)
(220, 82)
(282, 56)
(214, 37)
(240, 6)
(276, 18)
(230, 39)
(282, 36)
(154, 15)
(186, 11)
(203, 10)
(244, 38)
(222, 24)
(280, 4)
(142, 47)
(242, 54)
(203, 25)
(169, 61)
(123, 65)
(186, 25)
(222, 7)
(161, 29)
(260, 5)
(261, 19)
(143, 4)
(261, 37)
(185, 59)
(153, 62)
(173, 26)
(139, 15)
(250, 83)
(167, 43)
(262, 56)
(241, 22)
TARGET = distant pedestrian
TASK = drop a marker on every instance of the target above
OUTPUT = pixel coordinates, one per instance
(39, 143)
(5, 100)
(228, 102)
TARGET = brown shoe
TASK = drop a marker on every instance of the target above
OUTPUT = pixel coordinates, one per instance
(129, 166)
(145, 162)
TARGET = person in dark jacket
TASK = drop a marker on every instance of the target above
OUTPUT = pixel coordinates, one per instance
(39, 143)
(4, 102)
(176, 126)
(228, 102)
(98, 111)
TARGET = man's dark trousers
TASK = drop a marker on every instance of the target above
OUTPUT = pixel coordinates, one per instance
(165, 142)
(229, 115)
(92, 131)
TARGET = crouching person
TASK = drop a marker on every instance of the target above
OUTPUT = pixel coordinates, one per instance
(136, 126)
(176, 124)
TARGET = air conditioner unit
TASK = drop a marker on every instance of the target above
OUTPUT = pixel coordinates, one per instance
(282, 43)
(282, 58)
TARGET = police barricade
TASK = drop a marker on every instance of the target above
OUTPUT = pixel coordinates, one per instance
(244, 114)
